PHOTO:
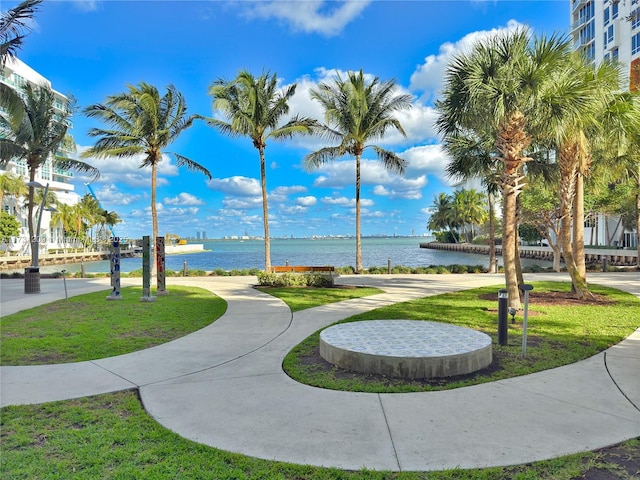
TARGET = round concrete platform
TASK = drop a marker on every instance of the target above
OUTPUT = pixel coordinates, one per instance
(406, 348)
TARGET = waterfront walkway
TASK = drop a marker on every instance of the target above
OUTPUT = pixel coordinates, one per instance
(223, 386)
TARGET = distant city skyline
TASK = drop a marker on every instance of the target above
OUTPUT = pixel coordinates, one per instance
(92, 49)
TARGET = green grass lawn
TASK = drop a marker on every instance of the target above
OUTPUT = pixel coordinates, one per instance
(88, 326)
(111, 437)
(557, 335)
(301, 298)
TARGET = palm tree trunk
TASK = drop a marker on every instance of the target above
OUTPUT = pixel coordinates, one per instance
(265, 213)
(509, 244)
(568, 172)
(154, 216)
(33, 241)
(578, 227)
(492, 235)
(358, 239)
(517, 259)
(637, 177)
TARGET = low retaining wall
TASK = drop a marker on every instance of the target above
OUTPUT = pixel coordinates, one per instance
(613, 256)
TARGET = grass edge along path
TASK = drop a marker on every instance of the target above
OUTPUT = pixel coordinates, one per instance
(301, 298)
(557, 336)
(89, 327)
(111, 436)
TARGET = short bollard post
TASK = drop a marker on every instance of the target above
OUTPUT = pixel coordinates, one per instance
(64, 279)
(82, 271)
(526, 289)
(502, 316)
(184, 268)
(389, 266)
(604, 264)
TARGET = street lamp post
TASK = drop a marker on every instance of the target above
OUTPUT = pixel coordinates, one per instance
(32, 273)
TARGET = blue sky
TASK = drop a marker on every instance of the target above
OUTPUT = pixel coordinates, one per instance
(91, 49)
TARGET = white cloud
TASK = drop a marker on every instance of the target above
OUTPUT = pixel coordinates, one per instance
(242, 203)
(324, 17)
(237, 185)
(428, 77)
(127, 170)
(110, 195)
(284, 190)
(407, 188)
(307, 201)
(184, 199)
(292, 210)
(346, 202)
(430, 159)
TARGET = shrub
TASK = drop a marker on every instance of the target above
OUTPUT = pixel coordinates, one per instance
(288, 279)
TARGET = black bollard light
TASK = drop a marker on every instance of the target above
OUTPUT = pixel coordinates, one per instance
(502, 316)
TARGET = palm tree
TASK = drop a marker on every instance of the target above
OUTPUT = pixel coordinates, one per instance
(470, 208)
(473, 156)
(39, 136)
(65, 216)
(142, 123)
(13, 28)
(496, 87)
(357, 111)
(254, 107)
(11, 185)
(571, 110)
(442, 215)
(619, 148)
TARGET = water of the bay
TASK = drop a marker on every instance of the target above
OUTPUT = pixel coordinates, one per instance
(241, 255)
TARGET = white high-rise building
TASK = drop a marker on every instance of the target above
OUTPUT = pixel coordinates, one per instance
(17, 74)
(609, 29)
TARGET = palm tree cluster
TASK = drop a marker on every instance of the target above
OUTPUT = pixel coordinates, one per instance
(520, 101)
(86, 222)
(458, 214)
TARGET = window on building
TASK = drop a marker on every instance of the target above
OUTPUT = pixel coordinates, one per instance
(635, 19)
(614, 10)
(635, 43)
(607, 15)
(614, 53)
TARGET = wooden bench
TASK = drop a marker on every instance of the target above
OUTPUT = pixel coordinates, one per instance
(328, 270)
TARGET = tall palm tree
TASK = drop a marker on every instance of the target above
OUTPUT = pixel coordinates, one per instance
(496, 86)
(142, 124)
(359, 110)
(39, 136)
(254, 108)
(572, 112)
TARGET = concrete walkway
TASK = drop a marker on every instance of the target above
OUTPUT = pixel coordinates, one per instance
(224, 386)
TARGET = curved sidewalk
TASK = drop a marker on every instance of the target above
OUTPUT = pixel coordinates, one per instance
(223, 386)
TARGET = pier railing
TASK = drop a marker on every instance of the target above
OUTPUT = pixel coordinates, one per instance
(15, 262)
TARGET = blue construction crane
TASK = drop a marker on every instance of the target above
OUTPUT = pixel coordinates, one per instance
(113, 233)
